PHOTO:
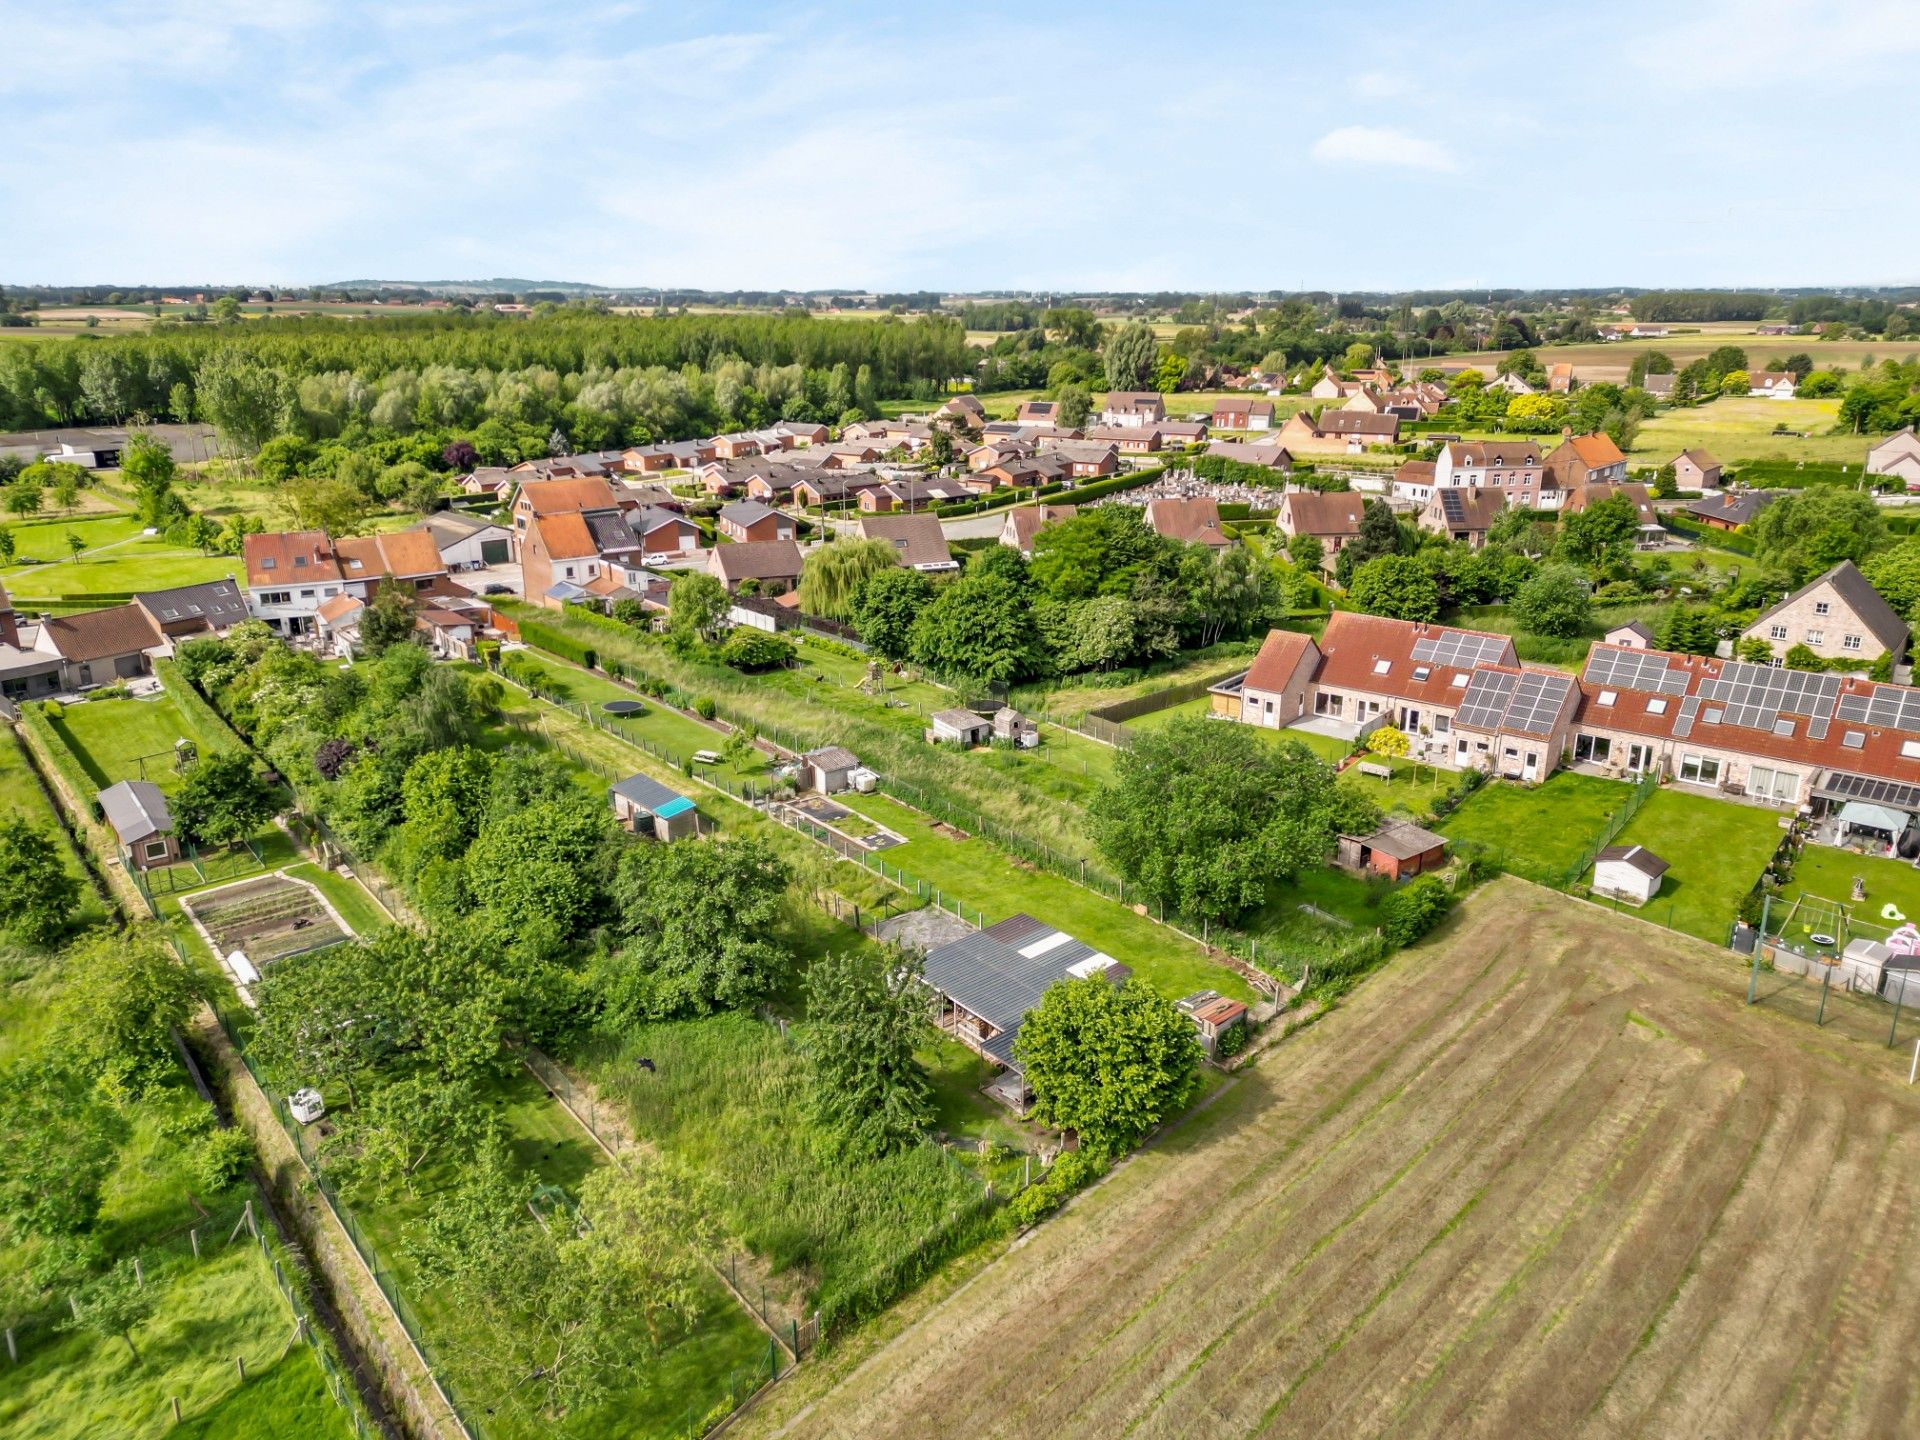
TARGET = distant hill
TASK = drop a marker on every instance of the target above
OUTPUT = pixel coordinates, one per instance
(471, 287)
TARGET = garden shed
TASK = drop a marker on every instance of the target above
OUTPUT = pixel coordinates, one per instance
(1628, 872)
(828, 770)
(960, 727)
(646, 807)
(1398, 849)
(137, 811)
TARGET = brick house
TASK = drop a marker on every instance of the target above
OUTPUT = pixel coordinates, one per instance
(746, 520)
(775, 564)
(1696, 470)
(1580, 460)
(1130, 409)
(1337, 432)
(1243, 413)
(1333, 520)
(1838, 616)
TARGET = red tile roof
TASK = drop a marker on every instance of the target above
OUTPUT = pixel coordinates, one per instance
(1354, 646)
(553, 497)
(1279, 657)
(289, 557)
(405, 553)
(565, 536)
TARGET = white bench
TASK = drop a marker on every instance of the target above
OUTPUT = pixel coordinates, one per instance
(1375, 769)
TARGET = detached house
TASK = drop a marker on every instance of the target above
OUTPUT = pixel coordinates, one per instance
(1899, 456)
(1242, 413)
(1463, 513)
(1839, 617)
(774, 564)
(921, 544)
(1697, 470)
(1581, 460)
(1130, 409)
(1192, 522)
(1650, 533)
(1337, 432)
(1036, 412)
(1730, 509)
(1771, 384)
(746, 520)
(98, 647)
(1025, 522)
(1333, 520)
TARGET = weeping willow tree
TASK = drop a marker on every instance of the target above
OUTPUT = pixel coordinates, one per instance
(834, 572)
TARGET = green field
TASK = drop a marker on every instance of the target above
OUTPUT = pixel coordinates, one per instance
(1609, 360)
(1735, 429)
(1540, 831)
(986, 879)
(1717, 850)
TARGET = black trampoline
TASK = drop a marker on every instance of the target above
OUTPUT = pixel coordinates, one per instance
(622, 707)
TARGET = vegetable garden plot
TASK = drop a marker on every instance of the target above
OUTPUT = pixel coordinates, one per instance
(267, 919)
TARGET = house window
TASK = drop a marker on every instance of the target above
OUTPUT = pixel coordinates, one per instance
(1656, 707)
(1594, 748)
(1442, 724)
(306, 594)
(154, 850)
(1607, 697)
(1770, 784)
(1821, 607)
(1459, 682)
(1850, 642)
(1910, 749)
(1816, 637)
(275, 597)
(1778, 632)
(1381, 667)
(1699, 769)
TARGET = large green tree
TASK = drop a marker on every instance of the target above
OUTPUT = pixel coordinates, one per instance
(835, 572)
(1806, 531)
(1554, 602)
(38, 891)
(1396, 585)
(697, 605)
(1204, 817)
(979, 628)
(699, 926)
(1107, 1061)
(866, 1017)
(59, 1141)
(223, 799)
(390, 619)
(1130, 357)
(123, 997)
(885, 606)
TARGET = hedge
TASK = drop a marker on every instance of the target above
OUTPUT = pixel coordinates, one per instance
(79, 784)
(557, 642)
(212, 732)
(1707, 535)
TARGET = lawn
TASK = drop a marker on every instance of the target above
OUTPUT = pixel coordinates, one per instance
(120, 569)
(984, 878)
(1826, 872)
(44, 538)
(1413, 788)
(125, 739)
(1539, 831)
(1327, 747)
(359, 909)
(1717, 850)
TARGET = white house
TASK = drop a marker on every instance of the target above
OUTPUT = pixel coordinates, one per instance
(1628, 872)
(1897, 455)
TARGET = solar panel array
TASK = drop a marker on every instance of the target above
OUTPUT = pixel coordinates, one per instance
(1634, 670)
(1839, 785)
(1529, 702)
(1485, 703)
(1893, 707)
(1538, 702)
(1460, 650)
(1758, 696)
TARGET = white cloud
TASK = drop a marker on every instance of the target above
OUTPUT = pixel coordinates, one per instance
(1380, 85)
(1382, 145)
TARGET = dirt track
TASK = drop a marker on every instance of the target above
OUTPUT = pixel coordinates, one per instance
(1544, 1177)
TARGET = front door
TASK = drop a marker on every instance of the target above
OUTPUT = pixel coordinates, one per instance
(1531, 770)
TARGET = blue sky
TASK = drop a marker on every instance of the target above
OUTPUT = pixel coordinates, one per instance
(1112, 146)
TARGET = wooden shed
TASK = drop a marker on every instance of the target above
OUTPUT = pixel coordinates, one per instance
(646, 807)
(1628, 872)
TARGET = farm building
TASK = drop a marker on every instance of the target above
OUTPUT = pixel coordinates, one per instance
(989, 980)
(828, 770)
(137, 811)
(959, 727)
(1628, 872)
(646, 807)
(1398, 850)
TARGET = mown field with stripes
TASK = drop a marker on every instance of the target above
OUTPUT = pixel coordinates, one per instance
(1543, 1175)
